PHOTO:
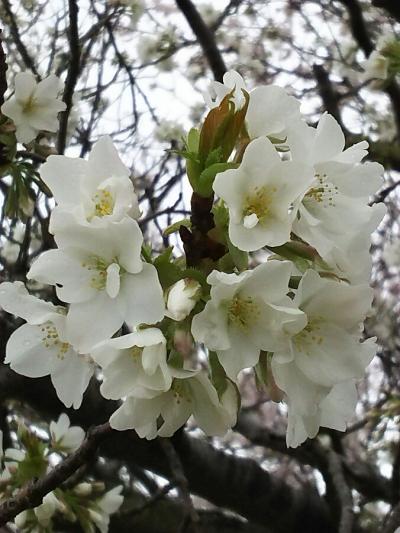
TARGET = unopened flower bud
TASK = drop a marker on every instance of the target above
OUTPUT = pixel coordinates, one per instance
(83, 489)
(182, 298)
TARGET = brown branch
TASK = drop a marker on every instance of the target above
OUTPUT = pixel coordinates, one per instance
(33, 493)
(17, 38)
(205, 37)
(191, 518)
(235, 483)
(343, 492)
(3, 69)
(360, 34)
(391, 6)
(72, 75)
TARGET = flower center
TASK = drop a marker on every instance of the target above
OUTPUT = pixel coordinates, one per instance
(243, 311)
(103, 203)
(98, 268)
(104, 275)
(29, 105)
(136, 352)
(51, 339)
(309, 336)
(323, 193)
(258, 203)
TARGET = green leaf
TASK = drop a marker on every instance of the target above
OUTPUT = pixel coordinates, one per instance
(261, 371)
(207, 177)
(176, 225)
(239, 257)
(221, 216)
(218, 375)
(193, 140)
(175, 359)
(214, 125)
(168, 272)
(215, 156)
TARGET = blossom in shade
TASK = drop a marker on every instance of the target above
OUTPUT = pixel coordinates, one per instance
(41, 347)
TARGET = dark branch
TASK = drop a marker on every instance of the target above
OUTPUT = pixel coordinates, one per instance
(72, 75)
(205, 37)
(32, 494)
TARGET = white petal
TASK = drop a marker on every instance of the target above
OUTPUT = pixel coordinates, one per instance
(89, 323)
(143, 297)
(25, 84)
(15, 299)
(63, 176)
(71, 378)
(27, 354)
(270, 110)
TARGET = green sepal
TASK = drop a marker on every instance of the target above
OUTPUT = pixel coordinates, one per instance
(261, 371)
(193, 140)
(173, 228)
(207, 177)
(239, 257)
(218, 375)
(168, 271)
(175, 359)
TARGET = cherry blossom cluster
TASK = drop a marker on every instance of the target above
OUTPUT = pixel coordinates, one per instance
(172, 338)
(86, 503)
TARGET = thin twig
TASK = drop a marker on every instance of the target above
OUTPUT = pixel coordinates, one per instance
(33, 493)
(72, 75)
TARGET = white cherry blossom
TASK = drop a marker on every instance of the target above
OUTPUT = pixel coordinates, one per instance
(191, 393)
(311, 406)
(336, 205)
(328, 349)
(271, 110)
(247, 313)
(259, 195)
(64, 436)
(93, 192)
(105, 506)
(99, 272)
(232, 80)
(34, 106)
(376, 66)
(135, 360)
(47, 509)
(41, 347)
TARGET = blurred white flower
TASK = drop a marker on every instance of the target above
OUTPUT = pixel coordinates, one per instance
(192, 393)
(107, 505)
(65, 437)
(34, 106)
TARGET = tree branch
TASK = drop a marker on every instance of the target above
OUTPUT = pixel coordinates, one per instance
(32, 494)
(72, 75)
(205, 37)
